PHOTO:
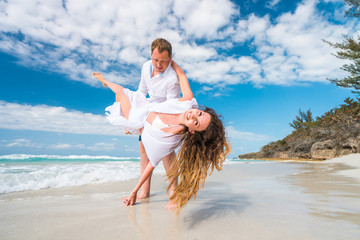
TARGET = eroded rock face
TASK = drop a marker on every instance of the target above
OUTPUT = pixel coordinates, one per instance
(349, 146)
(323, 154)
(282, 155)
(309, 148)
(323, 150)
(333, 134)
(330, 149)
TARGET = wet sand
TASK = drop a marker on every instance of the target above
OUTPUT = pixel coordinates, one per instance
(273, 200)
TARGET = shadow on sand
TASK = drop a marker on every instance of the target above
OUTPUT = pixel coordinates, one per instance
(216, 203)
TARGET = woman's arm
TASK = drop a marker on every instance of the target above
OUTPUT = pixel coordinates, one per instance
(132, 198)
(184, 83)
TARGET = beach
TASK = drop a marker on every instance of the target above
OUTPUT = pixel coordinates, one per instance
(259, 200)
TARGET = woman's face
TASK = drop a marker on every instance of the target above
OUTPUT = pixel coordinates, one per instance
(196, 120)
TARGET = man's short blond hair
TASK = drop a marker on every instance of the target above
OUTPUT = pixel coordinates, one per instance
(162, 45)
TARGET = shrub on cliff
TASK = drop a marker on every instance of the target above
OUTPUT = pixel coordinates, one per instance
(338, 124)
(303, 120)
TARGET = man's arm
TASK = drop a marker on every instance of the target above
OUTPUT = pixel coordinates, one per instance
(173, 89)
(143, 88)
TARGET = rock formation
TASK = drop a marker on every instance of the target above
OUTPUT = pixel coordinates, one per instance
(334, 134)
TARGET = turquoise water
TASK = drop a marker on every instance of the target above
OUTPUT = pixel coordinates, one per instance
(23, 158)
(248, 160)
(21, 172)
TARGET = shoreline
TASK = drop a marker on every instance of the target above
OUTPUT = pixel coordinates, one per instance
(352, 161)
(274, 200)
(343, 157)
(287, 159)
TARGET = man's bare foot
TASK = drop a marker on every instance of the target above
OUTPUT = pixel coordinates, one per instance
(143, 195)
(100, 77)
(170, 206)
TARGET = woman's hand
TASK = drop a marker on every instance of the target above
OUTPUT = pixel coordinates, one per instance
(129, 201)
(177, 68)
(184, 83)
(132, 198)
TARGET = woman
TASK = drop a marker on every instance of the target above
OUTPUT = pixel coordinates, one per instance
(199, 134)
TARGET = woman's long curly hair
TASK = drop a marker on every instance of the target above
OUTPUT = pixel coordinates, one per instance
(198, 152)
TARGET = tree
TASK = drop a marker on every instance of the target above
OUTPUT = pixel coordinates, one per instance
(302, 120)
(349, 49)
(354, 10)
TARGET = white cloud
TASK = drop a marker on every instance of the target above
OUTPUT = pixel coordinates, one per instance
(205, 17)
(193, 53)
(76, 37)
(54, 119)
(291, 49)
(256, 28)
(62, 146)
(22, 142)
(245, 136)
(82, 35)
(26, 143)
(272, 3)
(225, 71)
(101, 146)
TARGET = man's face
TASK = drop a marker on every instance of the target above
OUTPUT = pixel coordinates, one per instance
(160, 60)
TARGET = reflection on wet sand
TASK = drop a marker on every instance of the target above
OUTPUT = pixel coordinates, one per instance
(216, 205)
(147, 224)
(333, 196)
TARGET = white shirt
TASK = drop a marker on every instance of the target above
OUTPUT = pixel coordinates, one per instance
(160, 88)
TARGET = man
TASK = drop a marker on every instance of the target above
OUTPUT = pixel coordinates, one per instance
(159, 80)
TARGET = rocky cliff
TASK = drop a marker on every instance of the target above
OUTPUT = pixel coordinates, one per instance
(335, 133)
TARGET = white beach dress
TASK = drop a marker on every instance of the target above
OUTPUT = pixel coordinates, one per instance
(157, 143)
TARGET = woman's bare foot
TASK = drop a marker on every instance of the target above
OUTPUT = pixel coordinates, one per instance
(100, 77)
(170, 205)
(143, 195)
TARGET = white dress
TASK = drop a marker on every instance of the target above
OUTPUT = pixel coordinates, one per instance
(157, 143)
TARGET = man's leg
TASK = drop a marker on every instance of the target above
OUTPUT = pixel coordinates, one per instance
(144, 160)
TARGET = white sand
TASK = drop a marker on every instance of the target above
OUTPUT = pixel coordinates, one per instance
(276, 200)
(353, 161)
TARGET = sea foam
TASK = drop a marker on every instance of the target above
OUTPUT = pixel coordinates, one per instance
(33, 172)
(21, 172)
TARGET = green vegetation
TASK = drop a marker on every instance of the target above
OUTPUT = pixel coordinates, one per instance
(303, 120)
(349, 49)
(338, 124)
(354, 10)
(336, 132)
(347, 114)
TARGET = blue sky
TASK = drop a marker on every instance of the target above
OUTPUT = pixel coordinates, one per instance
(257, 62)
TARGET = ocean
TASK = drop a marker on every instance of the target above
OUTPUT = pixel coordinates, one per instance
(22, 172)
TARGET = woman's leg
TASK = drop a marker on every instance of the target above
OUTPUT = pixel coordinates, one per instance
(120, 96)
(144, 160)
(167, 161)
